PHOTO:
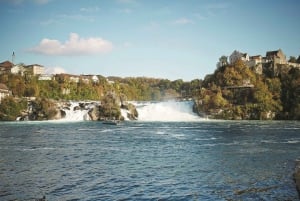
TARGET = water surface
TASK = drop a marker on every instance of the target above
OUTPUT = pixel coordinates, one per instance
(205, 160)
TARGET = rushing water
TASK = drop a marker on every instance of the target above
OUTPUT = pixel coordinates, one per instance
(204, 160)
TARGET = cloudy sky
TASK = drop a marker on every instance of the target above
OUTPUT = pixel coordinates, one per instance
(174, 39)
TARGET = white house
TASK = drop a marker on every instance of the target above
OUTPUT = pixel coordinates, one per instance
(74, 78)
(35, 69)
(45, 77)
(3, 91)
(95, 78)
(17, 69)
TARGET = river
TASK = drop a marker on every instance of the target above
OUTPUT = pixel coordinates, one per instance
(146, 160)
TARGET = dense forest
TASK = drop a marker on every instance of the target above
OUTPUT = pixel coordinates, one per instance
(231, 92)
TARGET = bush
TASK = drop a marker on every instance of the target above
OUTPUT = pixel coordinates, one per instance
(10, 108)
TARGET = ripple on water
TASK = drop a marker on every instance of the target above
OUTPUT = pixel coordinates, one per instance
(151, 161)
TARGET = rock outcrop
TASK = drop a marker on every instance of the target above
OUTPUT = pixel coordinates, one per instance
(132, 112)
(45, 109)
(94, 113)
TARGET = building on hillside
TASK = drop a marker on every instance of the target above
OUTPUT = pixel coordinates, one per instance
(255, 62)
(110, 81)
(5, 67)
(45, 77)
(274, 62)
(4, 91)
(87, 78)
(236, 55)
(74, 78)
(35, 69)
(295, 65)
(17, 69)
(95, 79)
(276, 57)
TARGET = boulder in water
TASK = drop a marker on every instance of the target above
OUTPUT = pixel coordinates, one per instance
(94, 113)
(132, 112)
(76, 108)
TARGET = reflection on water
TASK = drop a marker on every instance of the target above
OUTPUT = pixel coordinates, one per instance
(209, 160)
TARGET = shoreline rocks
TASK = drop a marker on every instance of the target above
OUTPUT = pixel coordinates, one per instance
(46, 109)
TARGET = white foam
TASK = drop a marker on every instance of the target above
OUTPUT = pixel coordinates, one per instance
(167, 111)
(76, 115)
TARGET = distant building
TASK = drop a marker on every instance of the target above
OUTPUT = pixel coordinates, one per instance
(110, 81)
(5, 67)
(4, 91)
(255, 62)
(74, 78)
(276, 57)
(87, 78)
(272, 64)
(35, 69)
(17, 69)
(45, 77)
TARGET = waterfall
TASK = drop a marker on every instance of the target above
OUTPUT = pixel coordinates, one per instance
(76, 113)
(166, 111)
(148, 111)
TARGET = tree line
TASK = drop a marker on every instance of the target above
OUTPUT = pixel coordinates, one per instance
(233, 91)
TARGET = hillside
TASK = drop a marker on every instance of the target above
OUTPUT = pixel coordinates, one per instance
(231, 92)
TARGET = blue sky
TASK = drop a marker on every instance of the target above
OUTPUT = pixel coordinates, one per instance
(173, 39)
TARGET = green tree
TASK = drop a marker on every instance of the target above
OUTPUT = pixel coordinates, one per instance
(290, 95)
(298, 60)
(10, 108)
(110, 106)
(293, 59)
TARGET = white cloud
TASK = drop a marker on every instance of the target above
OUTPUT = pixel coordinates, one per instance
(73, 46)
(183, 21)
(55, 70)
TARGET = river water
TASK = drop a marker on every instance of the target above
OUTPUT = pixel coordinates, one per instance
(200, 160)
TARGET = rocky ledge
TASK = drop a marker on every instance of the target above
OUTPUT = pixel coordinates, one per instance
(96, 111)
